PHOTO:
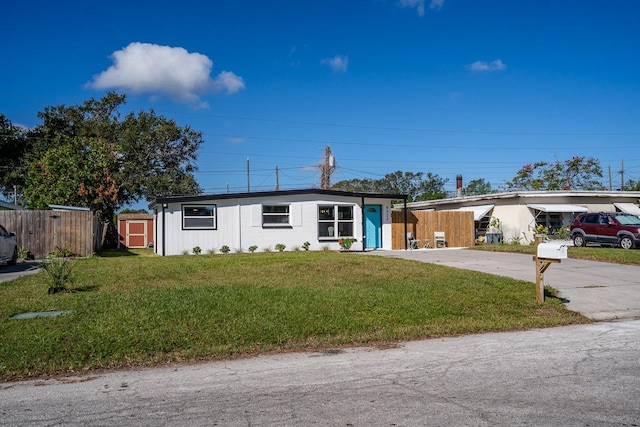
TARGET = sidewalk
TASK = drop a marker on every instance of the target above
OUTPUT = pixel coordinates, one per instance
(598, 290)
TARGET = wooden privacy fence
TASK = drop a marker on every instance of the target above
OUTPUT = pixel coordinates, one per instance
(458, 226)
(41, 232)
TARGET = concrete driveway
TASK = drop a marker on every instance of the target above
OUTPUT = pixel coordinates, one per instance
(12, 272)
(598, 290)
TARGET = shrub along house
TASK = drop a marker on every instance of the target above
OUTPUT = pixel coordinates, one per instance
(266, 219)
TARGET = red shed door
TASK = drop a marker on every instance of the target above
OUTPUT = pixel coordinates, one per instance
(136, 234)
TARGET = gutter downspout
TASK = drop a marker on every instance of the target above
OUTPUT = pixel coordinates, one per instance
(163, 228)
(406, 247)
(364, 236)
(155, 232)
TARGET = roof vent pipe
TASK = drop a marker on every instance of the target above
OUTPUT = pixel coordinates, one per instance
(459, 186)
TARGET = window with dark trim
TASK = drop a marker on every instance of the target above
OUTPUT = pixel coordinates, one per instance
(276, 216)
(199, 217)
(335, 221)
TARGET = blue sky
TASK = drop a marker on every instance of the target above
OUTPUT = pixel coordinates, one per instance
(477, 88)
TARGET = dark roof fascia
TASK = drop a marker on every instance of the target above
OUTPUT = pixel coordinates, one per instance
(226, 196)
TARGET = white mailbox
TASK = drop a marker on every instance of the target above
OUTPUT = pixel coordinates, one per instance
(552, 250)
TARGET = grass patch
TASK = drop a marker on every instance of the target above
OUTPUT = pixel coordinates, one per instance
(140, 309)
(591, 253)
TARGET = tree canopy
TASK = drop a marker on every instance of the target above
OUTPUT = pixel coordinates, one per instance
(477, 187)
(89, 155)
(13, 146)
(577, 173)
(416, 185)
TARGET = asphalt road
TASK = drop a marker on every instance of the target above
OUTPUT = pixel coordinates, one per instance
(581, 375)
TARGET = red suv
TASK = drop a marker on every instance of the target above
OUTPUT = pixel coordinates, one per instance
(606, 228)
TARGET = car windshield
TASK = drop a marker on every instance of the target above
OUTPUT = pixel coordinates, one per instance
(628, 219)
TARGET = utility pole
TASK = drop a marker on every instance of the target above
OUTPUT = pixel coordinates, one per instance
(610, 182)
(277, 179)
(622, 176)
(248, 178)
(326, 169)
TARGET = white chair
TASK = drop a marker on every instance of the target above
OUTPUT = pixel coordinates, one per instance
(412, 242)
(439, 239)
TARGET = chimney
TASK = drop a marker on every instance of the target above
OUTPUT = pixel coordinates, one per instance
(459, 186)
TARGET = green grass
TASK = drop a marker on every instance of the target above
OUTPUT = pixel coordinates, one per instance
(591, 253)
(141, 309)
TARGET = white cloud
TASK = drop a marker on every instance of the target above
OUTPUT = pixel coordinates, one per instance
(436, 4)
(496, 65)
(170, 71)
(338, 63)
(419, 5)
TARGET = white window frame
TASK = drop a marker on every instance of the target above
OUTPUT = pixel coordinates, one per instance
(336, 222)
(213, 217)
(267, 215)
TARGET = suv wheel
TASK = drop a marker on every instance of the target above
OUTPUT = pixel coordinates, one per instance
(626, 242)
(578, 240)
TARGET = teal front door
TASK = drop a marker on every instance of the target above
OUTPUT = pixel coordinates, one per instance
(373, 226)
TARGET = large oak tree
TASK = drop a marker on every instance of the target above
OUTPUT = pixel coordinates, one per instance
(89, 155)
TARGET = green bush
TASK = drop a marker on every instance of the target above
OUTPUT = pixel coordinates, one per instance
(62, 252)
(561, 233)
(346, 242)
(23, 253)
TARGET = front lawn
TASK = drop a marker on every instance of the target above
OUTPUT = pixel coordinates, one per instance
(143, 309)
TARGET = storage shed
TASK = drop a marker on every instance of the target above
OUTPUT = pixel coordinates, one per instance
(135, 230)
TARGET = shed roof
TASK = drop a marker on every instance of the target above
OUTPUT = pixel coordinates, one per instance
(139, 216)
(10, 206)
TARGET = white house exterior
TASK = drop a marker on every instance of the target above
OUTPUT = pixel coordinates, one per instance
(265, 219)
(520, 212)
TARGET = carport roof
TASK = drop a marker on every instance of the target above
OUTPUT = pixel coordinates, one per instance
(557, 207)
(479, 212)
(630, 208)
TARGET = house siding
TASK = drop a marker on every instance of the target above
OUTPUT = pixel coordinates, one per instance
(239, 224)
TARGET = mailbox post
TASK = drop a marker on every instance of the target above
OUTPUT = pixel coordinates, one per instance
(546, 254)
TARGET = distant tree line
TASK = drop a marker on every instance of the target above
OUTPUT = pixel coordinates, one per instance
(576, 173)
